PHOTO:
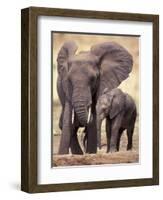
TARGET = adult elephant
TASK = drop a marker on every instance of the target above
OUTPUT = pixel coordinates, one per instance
(81, 80)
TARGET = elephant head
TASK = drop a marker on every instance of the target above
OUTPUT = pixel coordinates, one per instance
(109, 105)
(85, 75)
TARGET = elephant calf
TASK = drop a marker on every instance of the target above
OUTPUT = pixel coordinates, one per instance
(119, 109)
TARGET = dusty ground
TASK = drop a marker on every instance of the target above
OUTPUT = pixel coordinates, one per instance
(101, 157)
(96, 159)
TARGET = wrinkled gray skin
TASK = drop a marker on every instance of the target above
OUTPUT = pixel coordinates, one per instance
(119, 109)
(81, 80)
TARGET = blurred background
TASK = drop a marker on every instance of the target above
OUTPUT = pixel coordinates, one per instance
(84, 42)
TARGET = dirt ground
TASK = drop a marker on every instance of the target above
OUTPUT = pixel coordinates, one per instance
(101, 157)
(96, 159)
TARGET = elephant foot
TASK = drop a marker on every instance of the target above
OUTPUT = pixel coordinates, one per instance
(63, 151)
(77, 152)
(91, 150)
(112, 149)
(129, 148)
(75, 147)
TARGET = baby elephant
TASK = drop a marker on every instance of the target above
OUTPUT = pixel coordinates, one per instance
(119, 109)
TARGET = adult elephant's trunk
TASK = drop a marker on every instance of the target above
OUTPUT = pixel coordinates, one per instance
(81, 104)
(83, 113)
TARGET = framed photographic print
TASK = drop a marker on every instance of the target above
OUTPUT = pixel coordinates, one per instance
(90, 99)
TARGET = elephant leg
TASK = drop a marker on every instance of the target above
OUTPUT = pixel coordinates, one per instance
(61, 119)
(108, 134)
(119, 138)
(130, 131)
(92, 136)
(113, 141)
(75, 146)
(115, 126)
(66, 130)
(129, 136)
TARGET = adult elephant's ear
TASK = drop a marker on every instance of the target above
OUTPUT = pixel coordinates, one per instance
(67, 50)
(115, 64)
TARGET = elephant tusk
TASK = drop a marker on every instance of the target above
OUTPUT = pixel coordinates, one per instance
(72, 116)
(89, 115)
